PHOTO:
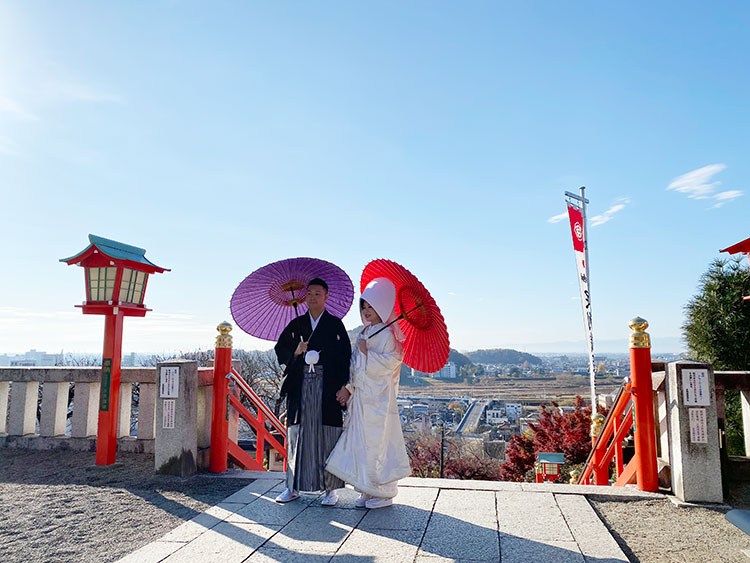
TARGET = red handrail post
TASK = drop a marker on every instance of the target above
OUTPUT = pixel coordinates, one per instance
(647, 474)
(220, 406)
(600, 471)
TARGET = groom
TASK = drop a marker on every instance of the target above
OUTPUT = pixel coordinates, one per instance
(315, 350)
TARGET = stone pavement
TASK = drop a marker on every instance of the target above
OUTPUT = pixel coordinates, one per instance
(431, 521)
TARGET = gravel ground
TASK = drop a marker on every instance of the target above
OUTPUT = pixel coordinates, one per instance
(62, 507)
(657, 531)
(59, 506)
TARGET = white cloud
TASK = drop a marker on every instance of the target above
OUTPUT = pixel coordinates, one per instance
(725, 197)
(698, 185)
(78, 92)
(13, 108)
(597, 220)
(557, 218)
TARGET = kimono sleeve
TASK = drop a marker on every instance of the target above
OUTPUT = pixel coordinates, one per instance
(385, 363)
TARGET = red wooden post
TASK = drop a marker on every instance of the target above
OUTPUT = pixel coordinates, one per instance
(647, 475)
(220, 407)
(600, 474)
(109, 394)
(260, 443)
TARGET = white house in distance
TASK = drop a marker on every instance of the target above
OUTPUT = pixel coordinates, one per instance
(513, 411)
(449, 371)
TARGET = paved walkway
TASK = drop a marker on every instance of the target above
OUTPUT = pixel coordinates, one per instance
(432, 521)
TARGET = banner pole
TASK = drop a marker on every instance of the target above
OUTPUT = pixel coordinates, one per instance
(592, 368)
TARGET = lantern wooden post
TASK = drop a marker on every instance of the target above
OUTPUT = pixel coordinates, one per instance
(109, 395)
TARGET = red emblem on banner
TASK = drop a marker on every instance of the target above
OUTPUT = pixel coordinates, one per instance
(576, 227)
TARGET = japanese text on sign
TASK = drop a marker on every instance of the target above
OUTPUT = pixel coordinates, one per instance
(168, 413)
(169, 382)
(695, 387)
(698, 428)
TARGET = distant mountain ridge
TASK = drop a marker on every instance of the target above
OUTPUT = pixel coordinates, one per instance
(503, 356)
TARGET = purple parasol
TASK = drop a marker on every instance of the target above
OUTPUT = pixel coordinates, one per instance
(269, 298)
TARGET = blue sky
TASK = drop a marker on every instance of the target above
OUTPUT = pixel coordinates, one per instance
(442, 135)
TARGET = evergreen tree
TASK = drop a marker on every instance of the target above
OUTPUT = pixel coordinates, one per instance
(717, 331)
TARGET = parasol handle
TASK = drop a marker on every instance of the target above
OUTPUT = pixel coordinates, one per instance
(401, 316)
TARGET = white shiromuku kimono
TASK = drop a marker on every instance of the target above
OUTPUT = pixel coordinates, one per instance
(371, 455)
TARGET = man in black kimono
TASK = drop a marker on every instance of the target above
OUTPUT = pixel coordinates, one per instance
(315, 350)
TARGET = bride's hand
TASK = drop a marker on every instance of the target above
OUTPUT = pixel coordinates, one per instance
(362, 344)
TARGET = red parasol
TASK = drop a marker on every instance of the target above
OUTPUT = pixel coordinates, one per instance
(427, 347)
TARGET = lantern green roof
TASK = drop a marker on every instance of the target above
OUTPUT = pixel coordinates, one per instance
(116, 250)
(550, 457)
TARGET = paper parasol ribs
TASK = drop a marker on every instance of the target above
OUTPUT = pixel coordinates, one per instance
(269, 298)
(427, 346)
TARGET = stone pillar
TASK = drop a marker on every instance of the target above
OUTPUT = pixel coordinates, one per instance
(4, 393)
(85, 409)
(23, 399)
(745, 399)
(54, 408)
(126, 403)
(146, 410)
(693, 432)
(176, 444)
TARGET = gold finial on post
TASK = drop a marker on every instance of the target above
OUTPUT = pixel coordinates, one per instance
(639, 337)
(597, 420)
(224, 340)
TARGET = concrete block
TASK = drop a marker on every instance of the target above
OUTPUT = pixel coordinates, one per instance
(693, 432)
(317, 531)
(266, 511)
(190, 530)
(54, 409)
(85, 409)
(532, 516)
(590, 533)
(476, 507)
(523, 550)
(176, 441)
(411, 510)
(23, 400)
(153, 552)
(392, 546)
(456, 538)
(253, 491)
(472, 485)
(225, 543)
(268, 554)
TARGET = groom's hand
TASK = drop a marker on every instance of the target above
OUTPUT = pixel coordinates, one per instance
(342, 396)
(301, 349)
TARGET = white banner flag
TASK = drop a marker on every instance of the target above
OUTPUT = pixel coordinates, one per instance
(578, 230)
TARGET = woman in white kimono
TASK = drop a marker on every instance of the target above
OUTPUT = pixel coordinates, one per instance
(371, 455)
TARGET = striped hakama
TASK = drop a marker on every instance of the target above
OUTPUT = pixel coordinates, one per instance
(310, 441)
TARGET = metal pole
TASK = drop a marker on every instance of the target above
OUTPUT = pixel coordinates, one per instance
(592, 369)
(442, 448)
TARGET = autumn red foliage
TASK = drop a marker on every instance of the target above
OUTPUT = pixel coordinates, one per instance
(566, 432)
(459, 461)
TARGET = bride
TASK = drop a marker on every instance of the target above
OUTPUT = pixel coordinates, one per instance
(371, 455)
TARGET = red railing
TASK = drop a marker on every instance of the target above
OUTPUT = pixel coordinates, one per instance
(258, 422)
(633, 408)
(222, 446)
(608, 444)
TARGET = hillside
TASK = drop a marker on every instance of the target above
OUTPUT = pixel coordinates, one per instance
(502, 356)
